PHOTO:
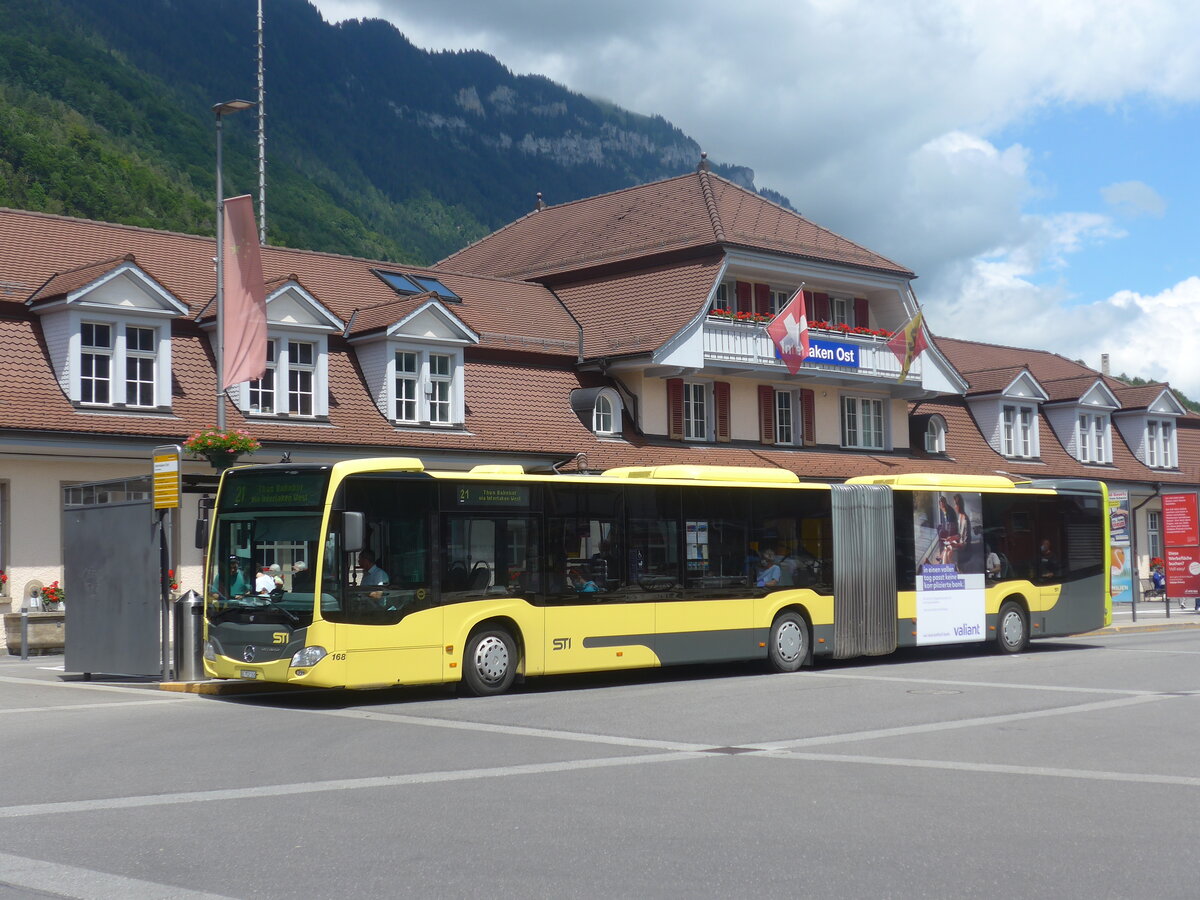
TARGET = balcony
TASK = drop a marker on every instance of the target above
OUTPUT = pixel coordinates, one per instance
(744, 344)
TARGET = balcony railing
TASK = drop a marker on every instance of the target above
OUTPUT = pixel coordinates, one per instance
(742, 343)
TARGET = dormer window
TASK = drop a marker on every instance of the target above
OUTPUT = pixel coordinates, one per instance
(107, 327)
(119, 365)
(1094, 435)
(606, 415)
(296, 381)
(1019, 435)
(935, 435)
(1160, 444)
(427, 386)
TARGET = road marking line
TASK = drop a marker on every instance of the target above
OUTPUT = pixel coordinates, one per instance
(78, 706)
(984, 684)
(72, 881)
(517, 730)
(345, 784)
(906, 730)
(992, 768)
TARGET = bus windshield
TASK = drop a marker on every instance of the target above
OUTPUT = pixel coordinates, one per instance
(265, 544)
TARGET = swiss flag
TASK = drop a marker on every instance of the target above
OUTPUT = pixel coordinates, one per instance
(789, 331)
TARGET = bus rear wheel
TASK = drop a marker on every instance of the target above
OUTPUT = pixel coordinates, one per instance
(490, 662)
(1012, 628)
(788, 645)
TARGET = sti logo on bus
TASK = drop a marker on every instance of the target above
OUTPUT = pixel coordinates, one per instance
(562, 643)
(279, 637)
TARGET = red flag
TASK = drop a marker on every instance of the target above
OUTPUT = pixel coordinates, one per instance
(908, 342)
(244, 316)
(789, 331)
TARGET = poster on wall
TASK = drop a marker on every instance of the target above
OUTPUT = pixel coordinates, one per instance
(1183, 572)
(1181, 525)
(949, 552)
(1120, 562)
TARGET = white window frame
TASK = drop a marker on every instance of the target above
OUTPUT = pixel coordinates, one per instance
(406, 386)
(119, 354)
(1094, 436)
(721, 297)
(266, 386)
(789, 430)
(298, 372)
(137, 357)
(94, 353)
(859, 411)
(1154, 533)
(1161, 447)
(287, 371)
(697, 411)
(841, 311)
(1019, 431)
(935, 436)
(436, 393)
(607, 422)
(779, 299)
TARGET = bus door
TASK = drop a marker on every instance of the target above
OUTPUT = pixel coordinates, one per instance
(389, 624)
(599, 583)
(864, 571)
(713, 618)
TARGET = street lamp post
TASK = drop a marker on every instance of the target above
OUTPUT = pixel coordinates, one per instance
(222, 109)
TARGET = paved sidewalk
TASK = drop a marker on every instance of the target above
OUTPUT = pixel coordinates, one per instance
(1154, 616)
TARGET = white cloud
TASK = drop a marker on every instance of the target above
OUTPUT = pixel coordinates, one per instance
(1134, 198)
(879, 121)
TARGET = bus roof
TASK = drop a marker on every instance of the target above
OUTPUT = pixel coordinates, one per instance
(916, 480)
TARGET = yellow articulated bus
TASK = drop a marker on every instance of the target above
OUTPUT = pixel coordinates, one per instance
(389, 574)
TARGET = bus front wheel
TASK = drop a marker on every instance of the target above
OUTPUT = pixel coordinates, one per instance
(788, 646)
(490, 662)
(1012, 628)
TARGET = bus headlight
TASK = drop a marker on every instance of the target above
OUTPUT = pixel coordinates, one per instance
(210, 652)
(309, 656)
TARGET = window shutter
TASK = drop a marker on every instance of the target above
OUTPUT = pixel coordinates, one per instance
(766, 413)
(862, 314)
(809, 306)
(745, 302)
(721, 402)
(762, 299)
(808, 414)
(675, 409)
(822, 304)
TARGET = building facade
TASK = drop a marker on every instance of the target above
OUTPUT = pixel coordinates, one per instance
(624, 329)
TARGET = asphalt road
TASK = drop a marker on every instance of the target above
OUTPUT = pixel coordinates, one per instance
(1067, 771)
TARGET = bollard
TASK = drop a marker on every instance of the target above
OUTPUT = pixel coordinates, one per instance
(25, 632)
(187, 612)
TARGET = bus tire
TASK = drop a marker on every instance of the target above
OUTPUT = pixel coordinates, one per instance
(789, 644)
(490, 662)
(1012, 628)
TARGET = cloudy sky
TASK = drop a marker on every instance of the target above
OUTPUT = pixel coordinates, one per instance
(1034, 162)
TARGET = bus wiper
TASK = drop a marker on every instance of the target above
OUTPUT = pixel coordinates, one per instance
(291, 616)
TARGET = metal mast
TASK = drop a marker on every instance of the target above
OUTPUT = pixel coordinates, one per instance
(262, 137)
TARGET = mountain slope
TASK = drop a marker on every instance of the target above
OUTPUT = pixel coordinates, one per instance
(375, 147)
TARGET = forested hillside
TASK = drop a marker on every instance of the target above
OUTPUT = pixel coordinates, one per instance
(374, 147)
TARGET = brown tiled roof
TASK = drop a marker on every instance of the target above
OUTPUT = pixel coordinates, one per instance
(636, 312)
(38, 247)
(1071, 388)
(1137, 396)
(974, 356)
(992, 381)
(373, 318)
(691, 211)
(63, 283)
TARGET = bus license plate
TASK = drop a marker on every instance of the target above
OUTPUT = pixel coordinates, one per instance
(249, 673)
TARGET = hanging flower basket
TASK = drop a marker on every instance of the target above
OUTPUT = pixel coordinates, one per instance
(221, 448)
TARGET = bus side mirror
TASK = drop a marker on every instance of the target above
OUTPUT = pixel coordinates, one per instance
(354, 528)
